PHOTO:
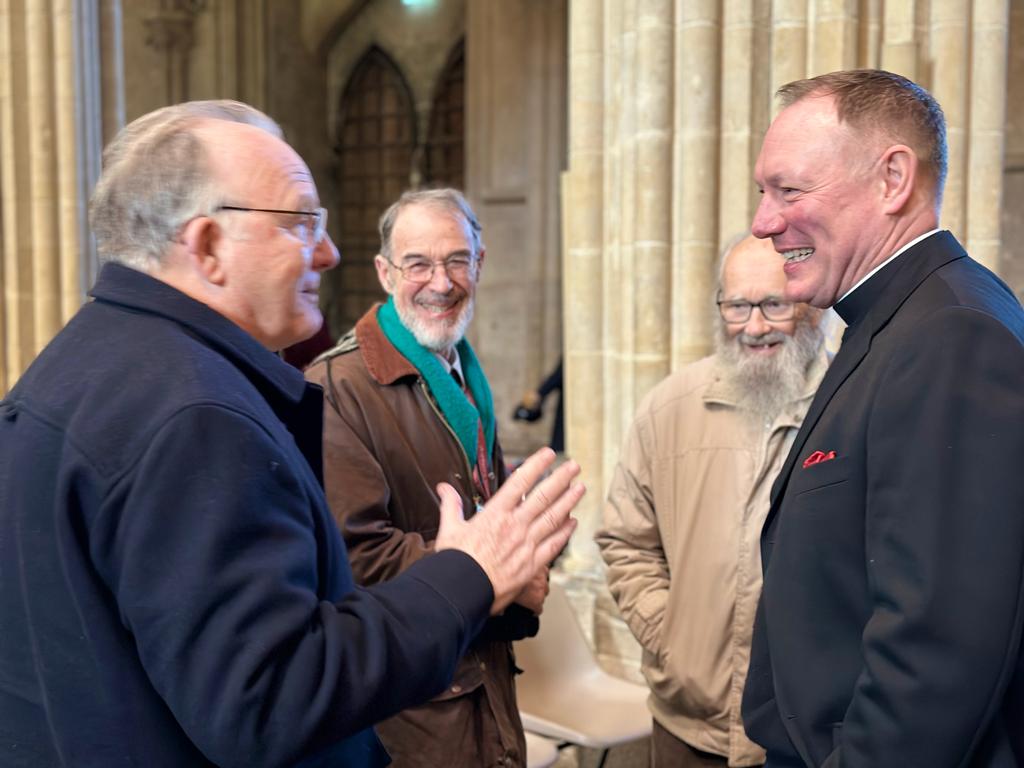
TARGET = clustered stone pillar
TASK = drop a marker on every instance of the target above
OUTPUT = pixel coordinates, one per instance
(583, 202)
(40, 207)
(987, 131)
(170, 30)
(668, 101)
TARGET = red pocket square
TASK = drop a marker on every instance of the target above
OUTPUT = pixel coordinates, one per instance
(817, 457)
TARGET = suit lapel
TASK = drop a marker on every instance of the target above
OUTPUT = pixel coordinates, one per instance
(853, 349)
(901, 278)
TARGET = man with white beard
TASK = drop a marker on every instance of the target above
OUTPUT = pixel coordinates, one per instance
(407, 406)
(687, 500)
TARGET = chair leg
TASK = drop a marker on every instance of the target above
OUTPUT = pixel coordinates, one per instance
(604, 756)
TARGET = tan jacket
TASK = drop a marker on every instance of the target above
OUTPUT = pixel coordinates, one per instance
(681, 540)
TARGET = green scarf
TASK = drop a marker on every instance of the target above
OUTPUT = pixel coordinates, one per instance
(458, 411)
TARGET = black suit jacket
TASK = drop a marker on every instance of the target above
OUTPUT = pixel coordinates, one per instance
(889, 628)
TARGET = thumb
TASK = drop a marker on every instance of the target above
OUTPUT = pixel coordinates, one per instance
(451, 507)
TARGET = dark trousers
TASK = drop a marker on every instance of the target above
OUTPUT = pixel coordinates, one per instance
(669, 752)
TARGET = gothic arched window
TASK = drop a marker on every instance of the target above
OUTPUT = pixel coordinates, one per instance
(446, 137)
(376, 141)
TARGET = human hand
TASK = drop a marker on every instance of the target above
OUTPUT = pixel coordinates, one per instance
(535, 592)
(519, 530)
(531, 400)
(529, 408)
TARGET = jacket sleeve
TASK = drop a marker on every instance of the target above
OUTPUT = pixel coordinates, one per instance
(944, 544)
(630, 541)
(230, 586)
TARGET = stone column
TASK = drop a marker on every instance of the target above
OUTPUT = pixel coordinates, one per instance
(833, 36)
(737, 142)
(49, 80)
(170, 31)
(988, 75)
(950, 61)
(871, 26)
(695, 184)
(899, 40)
(582, 210)
(40, 249)
(789, 43)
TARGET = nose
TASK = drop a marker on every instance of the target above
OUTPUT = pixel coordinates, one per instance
(325, 255)
(767, 219)
(756, 325)
(440, 282)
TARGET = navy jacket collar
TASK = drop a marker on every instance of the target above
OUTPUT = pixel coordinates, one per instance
(135, 290)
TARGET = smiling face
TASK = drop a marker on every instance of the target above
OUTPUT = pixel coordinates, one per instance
(767, 360)
(271, 277)
(821, 202)
(753, 273)
(438, 311)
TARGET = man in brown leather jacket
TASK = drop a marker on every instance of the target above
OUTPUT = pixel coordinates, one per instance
(408, 407)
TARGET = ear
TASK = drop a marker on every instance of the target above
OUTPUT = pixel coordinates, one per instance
(899, 166)
(480, 262)
(383, 274)
(201, 238)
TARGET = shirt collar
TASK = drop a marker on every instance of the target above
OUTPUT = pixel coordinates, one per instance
(452, 365)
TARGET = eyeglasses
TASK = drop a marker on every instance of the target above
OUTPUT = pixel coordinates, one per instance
(422, 270)
(310, 235)
(738, 311)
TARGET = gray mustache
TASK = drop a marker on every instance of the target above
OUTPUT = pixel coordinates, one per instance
(772, 337)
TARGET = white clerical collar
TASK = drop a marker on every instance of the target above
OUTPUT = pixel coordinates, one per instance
(867, 277)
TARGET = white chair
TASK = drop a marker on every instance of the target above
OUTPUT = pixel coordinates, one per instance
(540, 752)
(563, 694)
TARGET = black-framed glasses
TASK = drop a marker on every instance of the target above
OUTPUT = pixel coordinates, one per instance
(422, 270)
(738, 310)
(310, 235)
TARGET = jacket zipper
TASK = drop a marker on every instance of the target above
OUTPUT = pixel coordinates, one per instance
(437, 411)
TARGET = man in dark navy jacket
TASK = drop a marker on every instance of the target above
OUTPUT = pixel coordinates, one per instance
(889, 628)
(173, 590)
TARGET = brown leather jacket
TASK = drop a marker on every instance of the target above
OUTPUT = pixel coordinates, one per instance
(386, 447)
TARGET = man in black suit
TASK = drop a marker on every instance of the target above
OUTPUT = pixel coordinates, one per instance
(889, 628)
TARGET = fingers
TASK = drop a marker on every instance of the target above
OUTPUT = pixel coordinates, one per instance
(551, 519)
(524, 478)
(546, 496)
(451, 511)
(549, 548)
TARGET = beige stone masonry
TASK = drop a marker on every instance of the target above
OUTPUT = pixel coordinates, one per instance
(668, 102)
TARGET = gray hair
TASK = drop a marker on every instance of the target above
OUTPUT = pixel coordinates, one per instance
(447, 199)
(156, 176)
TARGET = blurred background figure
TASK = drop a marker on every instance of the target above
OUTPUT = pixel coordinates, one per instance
(531, 408)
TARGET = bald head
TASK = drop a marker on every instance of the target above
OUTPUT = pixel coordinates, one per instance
(751, 262)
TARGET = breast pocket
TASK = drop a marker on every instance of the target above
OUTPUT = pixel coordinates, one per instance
(819, 476)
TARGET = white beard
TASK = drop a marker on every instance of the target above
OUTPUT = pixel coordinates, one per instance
(440, 335)
(769, 383)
